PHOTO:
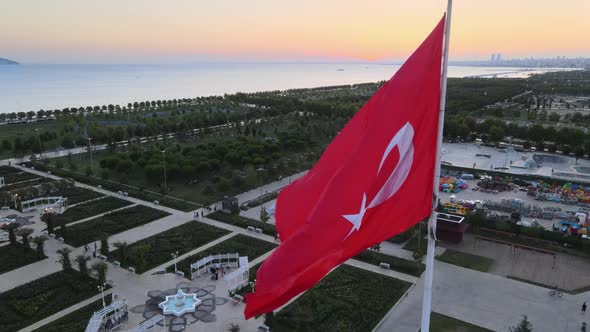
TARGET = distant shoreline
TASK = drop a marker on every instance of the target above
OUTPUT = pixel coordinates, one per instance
(4, 61)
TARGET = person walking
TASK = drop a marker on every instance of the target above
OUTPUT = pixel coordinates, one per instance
(86, 248)
(584, 307)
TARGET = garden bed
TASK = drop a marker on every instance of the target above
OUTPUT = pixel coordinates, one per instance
(109, 224)
(75, 321)
(469, 261)
(243, 222)
(77, 195)
(348, 299)
(263, 199)
(116, 187)
(442, 323)
(242, 244)
(395, 263)
(181, 239)
(87, 210)
(15, 256)
(38, 299)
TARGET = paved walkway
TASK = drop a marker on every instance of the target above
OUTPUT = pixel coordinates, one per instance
(489, 301)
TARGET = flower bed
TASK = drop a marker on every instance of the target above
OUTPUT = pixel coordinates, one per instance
(241, 244)
(109, 224)
(14, 256)
(395, 263)
(29, 303)
(348, 299)
(183, 239)
(86, 210)
(243, 222)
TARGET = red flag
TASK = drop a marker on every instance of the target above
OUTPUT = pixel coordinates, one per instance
(373, 181)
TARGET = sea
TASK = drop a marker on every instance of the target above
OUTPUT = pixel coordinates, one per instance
(31, 87)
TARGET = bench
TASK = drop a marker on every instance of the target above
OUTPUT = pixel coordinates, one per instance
(156, 202)
(263, 327)
(237, 298)
(160, 271)
(102, 257)
(49, 172)
(125, 193)
(384, 266)
(5, 208)
(131, 269)
(258, 230)
(99, 186)
(180, 273)
(52, 236)
(119, 192)
(60, 239)
(250, 228)
(117, 263)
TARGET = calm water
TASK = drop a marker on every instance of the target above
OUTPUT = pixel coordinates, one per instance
(34, 87)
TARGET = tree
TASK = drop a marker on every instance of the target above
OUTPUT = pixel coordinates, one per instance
(264, 216)
(12, 233)
(101, 271)
(81, 260)
(25, 233)
(139, 255)
(122, 250)
(49, 219)
(104, 246)
(554, 117)
(64, 258)
(523, 326)
(89, 171)
(39, 241)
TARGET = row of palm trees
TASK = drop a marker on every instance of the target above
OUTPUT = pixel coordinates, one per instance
(99, 268)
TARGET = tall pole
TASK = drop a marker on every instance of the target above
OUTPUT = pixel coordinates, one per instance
(164, 159)
(427, 300)
(90, 151)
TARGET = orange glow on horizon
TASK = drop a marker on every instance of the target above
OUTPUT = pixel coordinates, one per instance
(110, 30)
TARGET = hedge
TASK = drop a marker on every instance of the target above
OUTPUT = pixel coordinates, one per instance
(109, 224)
(243, 222)
(183, 239)
(86, 210)
(262, 199)
(242, 244)
(38, 299)
(77, 195)
(395, 263)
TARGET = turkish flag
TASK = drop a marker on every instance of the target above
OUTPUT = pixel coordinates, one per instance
(374, 181)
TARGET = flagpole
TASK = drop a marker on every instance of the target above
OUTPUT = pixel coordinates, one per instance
(428, 276)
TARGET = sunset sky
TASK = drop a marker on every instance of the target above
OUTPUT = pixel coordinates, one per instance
(181, 31)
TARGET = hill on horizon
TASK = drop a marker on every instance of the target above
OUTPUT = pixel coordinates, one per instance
(7, 62)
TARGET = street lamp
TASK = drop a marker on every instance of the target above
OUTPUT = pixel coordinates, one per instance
(39, 139)
(101, 290)
(14, 198)
(260, 178)
(175, 255)
(164, 159)
(90, 151)
(253, 285)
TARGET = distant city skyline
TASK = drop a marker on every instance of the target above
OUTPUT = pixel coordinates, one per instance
(184, 31)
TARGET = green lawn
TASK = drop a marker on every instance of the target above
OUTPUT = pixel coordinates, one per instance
(87, 210)
(396, 263)
(348, 299)
(241, 244)
(183, 239)
(243, 222)
(75, 321)
(442, 323)
(14, 256)
(466, 260)
(29, 303)
(109, 224)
